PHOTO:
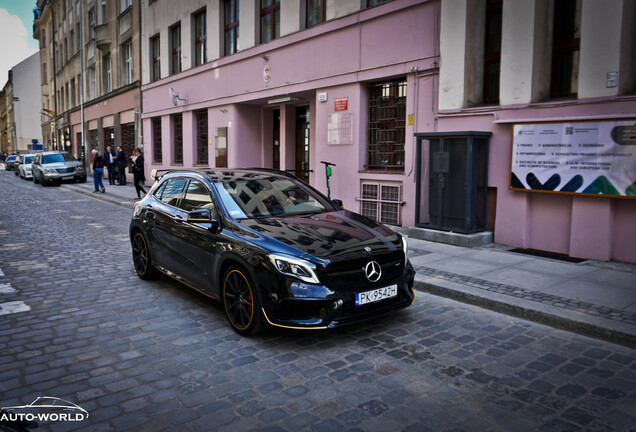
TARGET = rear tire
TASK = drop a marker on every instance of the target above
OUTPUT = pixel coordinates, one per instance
(141, 258)
(242, 302)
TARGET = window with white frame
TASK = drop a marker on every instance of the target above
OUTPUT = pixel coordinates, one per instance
(125, 4)
(107, 75)
(91, 82)
(91, 24)
(127, 63)
(381, 202)
(101, 12)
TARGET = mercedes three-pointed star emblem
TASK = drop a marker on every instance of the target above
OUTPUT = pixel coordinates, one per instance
(373, 271)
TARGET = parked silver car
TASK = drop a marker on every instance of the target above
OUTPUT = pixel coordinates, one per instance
(25, 166)
(55, 167)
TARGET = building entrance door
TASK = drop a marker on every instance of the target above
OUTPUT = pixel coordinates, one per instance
(302, 143)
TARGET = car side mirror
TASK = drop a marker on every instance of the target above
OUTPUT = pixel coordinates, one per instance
(204, 216)
(338, 203)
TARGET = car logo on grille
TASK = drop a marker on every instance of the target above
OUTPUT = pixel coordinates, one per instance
(373, 271)
(367, 248)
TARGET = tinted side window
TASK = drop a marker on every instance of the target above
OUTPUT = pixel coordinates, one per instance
(170, 192)
(197, 197)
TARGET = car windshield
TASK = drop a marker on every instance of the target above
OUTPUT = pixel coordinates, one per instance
(57, 157)
(28, 159)
(272, 196)
(11, 158)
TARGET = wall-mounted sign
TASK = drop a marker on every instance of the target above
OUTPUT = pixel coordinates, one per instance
(340, 129)
(322, 97)
(587, 157)
(267, 73)
(341, 104)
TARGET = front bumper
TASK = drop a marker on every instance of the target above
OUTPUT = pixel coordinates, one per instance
(325, 308)
(60, 177)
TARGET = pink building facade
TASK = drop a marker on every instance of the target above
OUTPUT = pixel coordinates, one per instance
(303, 98)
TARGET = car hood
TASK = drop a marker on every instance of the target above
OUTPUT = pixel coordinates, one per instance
(330, 237)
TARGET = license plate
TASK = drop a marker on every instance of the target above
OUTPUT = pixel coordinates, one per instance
(67, 178)
(376, 295)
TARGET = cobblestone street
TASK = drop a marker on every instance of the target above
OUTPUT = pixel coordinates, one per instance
(78, 324)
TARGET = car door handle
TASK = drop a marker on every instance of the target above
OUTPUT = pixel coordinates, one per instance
(178, 219)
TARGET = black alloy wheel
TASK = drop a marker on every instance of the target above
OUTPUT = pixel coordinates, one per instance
(141, 258)
(241, 302)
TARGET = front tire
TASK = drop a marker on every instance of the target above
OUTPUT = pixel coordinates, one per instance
(242, 302)
(141, 258)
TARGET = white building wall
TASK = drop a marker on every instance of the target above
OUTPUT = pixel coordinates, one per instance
(26, 87)
(517, 50)
(340, 8)
(452, 54)
(600, 40)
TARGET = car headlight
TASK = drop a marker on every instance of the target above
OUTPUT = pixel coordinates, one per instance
(79, 168)
(50, 171)
(295, 267)
(405, 248)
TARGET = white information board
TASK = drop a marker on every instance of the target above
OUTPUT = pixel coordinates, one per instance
(590, 157)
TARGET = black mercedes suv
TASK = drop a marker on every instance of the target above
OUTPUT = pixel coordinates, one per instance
(271, 248)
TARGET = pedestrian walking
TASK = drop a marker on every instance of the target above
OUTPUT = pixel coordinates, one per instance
(138, 171)
(120, 165)
(109, 161)
(98, 172)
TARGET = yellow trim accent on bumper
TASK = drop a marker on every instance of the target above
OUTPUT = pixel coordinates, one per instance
(290, 327)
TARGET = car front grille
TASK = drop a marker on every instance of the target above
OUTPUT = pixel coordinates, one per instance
(65, 170)
(350, 274)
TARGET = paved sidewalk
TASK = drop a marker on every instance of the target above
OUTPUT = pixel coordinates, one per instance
(593, 298)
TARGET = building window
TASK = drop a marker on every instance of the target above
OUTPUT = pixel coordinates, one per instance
(91, 82)
(231, 26)
(177, 127)
(77, 35)
(107, 73)
(382, 202)
(155, 67)
(270, 20)
(44, 74)
(125, 4)
(71, 42)
(200, 38)
(91, 24)
(73, 102)
(101, 12)
(66, 100)
(202, 137)
(315, 12)
(156, 140)
(175, 49)
(492, 52)
(565, 48)
(62, 99)
(127, 63)
(387, 126)
(65, 50)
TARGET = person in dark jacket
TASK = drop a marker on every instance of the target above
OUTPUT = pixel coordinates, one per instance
(120, 165)
(109, 161)
(98, 172)
(138, 171)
